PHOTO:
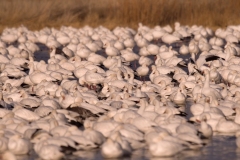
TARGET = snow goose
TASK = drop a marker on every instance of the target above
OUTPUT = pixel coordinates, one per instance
(193, 49)
(129, 43)
(169, 39)
(119, 45)
(231, 38)
(105, 127)
(145, 60)
(143, 124)
(226, 126)
(109, 62)
(143, 112)
(94, 47)
(49, 151)
(157, 33)
(144, 52)
(66, 99)
(197, 109)
(94, 136)
(165, 148)
(178, 98)
(14, 73)
(140, 40)
(24, 54)
(153, 49)
(193, 139)
(129, 55)
(83, 52)
(215, 76)
(22, 62)
(52, 42)
(69, 53)
(154, 73)
(130, 132)
(67, 65)
(204, 46)
(22, 38)
(205, 128)
(19, 145)
(15, 96)
(112, 149)
(80, 71)
(63, 38)
(26, 114)
(167, 54)
(96, 58)
(9, 38)
(207, 90)
(123, 142)
(167, 28)
(216, 41)
(184, 50)
(148, 36)
(51, 66)
(110, 50)
(142, 71)
(37, 76)
(56, 53)
(93, 78)
(120, 83)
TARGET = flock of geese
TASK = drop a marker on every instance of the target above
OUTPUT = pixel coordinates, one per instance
(118, 90)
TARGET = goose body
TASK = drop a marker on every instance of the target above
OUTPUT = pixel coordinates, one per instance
(169, 39)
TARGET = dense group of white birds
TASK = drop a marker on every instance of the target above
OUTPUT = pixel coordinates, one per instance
(117, 90)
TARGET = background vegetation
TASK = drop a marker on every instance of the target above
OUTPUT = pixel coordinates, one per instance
(36, 14)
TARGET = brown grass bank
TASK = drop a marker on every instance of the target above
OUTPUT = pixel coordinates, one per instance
(36, 14)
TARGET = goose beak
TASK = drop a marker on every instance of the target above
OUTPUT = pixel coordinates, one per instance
(198, 121)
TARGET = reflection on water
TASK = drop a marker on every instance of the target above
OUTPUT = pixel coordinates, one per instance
(219, 148)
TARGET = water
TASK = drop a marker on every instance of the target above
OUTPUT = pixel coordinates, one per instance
(218, 148)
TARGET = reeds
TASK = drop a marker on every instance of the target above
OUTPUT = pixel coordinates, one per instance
(36, 14)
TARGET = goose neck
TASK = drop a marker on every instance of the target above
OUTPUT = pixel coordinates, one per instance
(119, 64)
(31, 68)
(53, 52)
(142, 107)
(207, 78)
(119, 76)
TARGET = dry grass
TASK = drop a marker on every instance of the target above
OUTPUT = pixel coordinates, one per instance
(36, 14)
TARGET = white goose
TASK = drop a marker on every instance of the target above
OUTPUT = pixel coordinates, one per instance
(18, 145)
(207, 90)
(169, 39)
(205, 128)
(111, 149)
(142, 71)
(110, 50)
(165, 148)
(167, 54)
(93, 78)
